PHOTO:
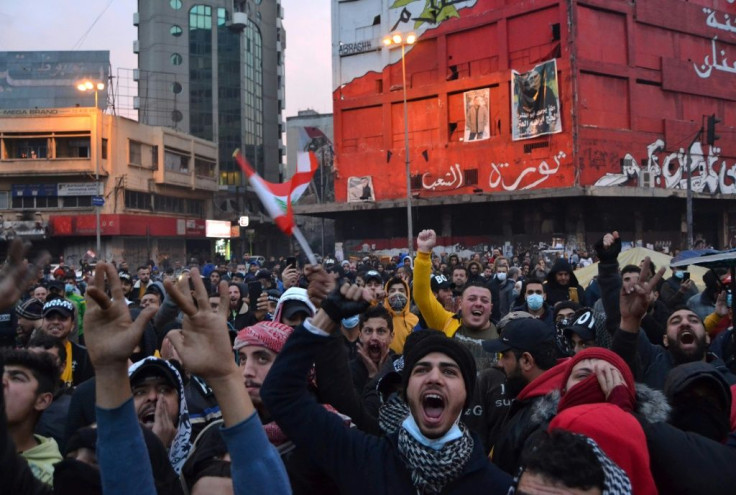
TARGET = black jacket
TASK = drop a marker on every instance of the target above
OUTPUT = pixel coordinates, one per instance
(358, 462)
(556, 292)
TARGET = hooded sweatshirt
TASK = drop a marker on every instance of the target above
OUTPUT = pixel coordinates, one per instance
(42, 458)
(293, 294)
(556, 292)
(182, 443)
(404, 320)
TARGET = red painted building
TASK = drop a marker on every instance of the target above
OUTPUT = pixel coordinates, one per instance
(533, 119)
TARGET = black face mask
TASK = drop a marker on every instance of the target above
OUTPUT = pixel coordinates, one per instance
(703, 418)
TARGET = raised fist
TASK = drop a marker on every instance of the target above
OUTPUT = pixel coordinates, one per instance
(426, 240)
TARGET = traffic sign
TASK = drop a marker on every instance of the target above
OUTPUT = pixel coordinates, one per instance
(98, 201)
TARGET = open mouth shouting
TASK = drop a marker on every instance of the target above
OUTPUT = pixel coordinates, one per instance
(374, 350)
(433, 406)
(147, 416)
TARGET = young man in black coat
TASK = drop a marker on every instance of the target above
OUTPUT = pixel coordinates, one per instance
(432, 451)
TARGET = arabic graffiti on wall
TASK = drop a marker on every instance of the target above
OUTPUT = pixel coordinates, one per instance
(717, 59)
(710, 174)
(502, 176)
(451, 180)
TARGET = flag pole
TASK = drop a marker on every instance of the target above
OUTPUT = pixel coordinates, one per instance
(304, 245)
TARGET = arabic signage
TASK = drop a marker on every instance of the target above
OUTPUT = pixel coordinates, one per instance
(535, 107)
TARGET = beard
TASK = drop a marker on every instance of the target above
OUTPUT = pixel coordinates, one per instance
(682, 356)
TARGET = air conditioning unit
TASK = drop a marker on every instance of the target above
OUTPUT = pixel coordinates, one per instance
(136, 18)
(136, 74)
(136, 46)
(137, 102)
(646, 179)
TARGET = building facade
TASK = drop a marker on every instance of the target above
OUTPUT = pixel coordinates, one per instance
(155, 186)
(532, 120)
(215, 69)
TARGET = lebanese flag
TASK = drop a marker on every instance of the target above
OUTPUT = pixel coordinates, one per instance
(277, 198)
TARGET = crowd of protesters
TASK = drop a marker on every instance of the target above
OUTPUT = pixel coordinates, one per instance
(428, 374)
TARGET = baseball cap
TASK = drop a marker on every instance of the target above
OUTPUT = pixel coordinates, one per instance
(59, 305)
(293, 307)
(125, 276)
(583, 326)
(30, 309)
(155, 367)
(525, 334)
(511, 316)
(372, 275)
(263, 273)
(273, 295)
(439, 282)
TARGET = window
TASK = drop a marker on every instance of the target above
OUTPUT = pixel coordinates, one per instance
(76, 201)
(175, 30)
(204, 167)
(175, 4)
(134, 152)
(176, 162)
(4, 195)
(135, 200)
(25, 147)
(30, 202)
(104, 148)
(176, 59)
(72, 147)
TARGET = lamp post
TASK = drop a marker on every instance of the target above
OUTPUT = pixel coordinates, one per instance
(96, 87)
(402, 40)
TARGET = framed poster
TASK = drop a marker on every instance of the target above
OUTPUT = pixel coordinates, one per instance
(535, 107)
(477, 125)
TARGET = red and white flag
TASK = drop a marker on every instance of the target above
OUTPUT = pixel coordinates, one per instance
(278, 198)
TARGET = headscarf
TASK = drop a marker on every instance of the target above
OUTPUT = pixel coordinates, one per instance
(269, 334)
(589, 390)
(182, 441)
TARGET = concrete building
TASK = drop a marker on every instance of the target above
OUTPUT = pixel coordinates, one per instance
(533, 121)
(157, 185)
(216, 70)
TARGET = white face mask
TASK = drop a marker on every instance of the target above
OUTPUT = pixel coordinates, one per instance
(501, 276)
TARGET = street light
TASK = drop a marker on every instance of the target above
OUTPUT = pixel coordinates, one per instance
(85, 86)
(399, 39)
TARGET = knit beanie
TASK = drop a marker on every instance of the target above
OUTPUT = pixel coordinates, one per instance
(438, 342)
(30, 309)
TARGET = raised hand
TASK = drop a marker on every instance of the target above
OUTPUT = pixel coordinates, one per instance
(111, 336)
(426, 241)
(634, 299)
(321, 283)
(203, 342)
(609, 247)
(110, 333)
(17, 275)
(721, 305)
(289, 277)
(163, 428)
(204, 347)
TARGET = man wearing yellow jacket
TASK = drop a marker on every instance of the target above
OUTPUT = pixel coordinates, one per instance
(472, 325)
(398, 303)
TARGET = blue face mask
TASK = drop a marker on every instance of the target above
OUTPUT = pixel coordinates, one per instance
(729, 300)
(535, 301)
(679, 274)
(69, 288)
(501, 276)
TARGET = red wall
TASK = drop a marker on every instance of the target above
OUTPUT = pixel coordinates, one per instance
(639, 98)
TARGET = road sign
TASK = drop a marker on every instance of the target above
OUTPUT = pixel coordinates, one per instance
(98, 201)
(243, 221)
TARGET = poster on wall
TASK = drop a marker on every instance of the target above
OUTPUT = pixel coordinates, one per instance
(360, 189)
(477, 126)
(535, 106)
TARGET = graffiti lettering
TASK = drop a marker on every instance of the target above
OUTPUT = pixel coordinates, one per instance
(710, 62)
(706, 175)
(451, 180)
(712, 21)
(543, 171)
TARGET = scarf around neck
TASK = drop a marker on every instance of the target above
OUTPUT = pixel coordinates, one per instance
(434, 463)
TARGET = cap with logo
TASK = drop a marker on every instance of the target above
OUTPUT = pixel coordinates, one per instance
(439, 282)
(59, 305)
(583, 326)
(524, 334)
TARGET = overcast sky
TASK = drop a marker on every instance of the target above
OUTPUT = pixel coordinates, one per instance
(108, 25)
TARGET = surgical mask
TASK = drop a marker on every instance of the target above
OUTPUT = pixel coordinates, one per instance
(534, 301)
(397, 301)
(69, 288)
(350, 322)
(679, 274)
(501, 276)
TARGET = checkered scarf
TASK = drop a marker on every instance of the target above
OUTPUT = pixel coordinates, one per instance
(392, 413)
(432, 470)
